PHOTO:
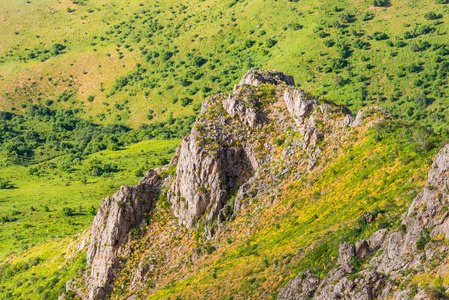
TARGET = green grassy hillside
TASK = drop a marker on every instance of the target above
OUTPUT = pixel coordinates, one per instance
(45, 201)
(94, 92)
(134, 62)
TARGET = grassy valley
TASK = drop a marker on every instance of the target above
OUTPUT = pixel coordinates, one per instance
(46, 211)
(52, 203)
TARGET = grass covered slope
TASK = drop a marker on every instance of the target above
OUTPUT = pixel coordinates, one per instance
(46, 201)
(55, 169)
(133, 62)
(42, 271)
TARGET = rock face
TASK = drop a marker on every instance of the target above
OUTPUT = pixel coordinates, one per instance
(246, 113)
(394, 253)
(204, 182)
(222, 152)
(302, 286)
(115, 217)
(345, 253)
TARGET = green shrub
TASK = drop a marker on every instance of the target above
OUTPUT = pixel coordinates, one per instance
(91, 210)
(5, 184)
(210, 249)
(269, 43)
(380, 2)
(383, 224)
(432, 16)
(421, 243)
(367, 16)
(185, 101)
(279, 141)
(436, 293)
(67, 211)
(339, 80)
(378, 36)
(359, 44)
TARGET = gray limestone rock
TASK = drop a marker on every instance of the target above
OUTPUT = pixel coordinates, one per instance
(302, 286)
(364, 112)
(115, 217)
(361, 249)
(235, 108)
(266, 77)
(345, 253)
(376, 239)
(299, 105)
(204, 181)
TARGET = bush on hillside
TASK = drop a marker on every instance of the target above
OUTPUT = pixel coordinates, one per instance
(380, 2)
(5, 184)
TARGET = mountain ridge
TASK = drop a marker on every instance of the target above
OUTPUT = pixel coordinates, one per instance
(318, 126)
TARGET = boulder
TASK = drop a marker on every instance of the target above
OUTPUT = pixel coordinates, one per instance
(345, 253)
(299, 105)
(302, 286)
(361, 249)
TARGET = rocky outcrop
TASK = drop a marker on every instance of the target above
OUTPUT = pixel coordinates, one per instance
(302, 286)
(366, 112)
(426, 218)
(246, 113)
(115, 217)
(205, 180)
(345, 253)
(256, 78)
(299, 105)
(337, 284)
(362, 249)
(394, 254)
(224, 150)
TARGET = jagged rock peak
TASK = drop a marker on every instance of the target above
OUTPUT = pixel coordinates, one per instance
(253, 77)
(220, 154)
(234, 136)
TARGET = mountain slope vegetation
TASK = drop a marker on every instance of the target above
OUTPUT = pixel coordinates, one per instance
(134, 62)
(95, 92)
